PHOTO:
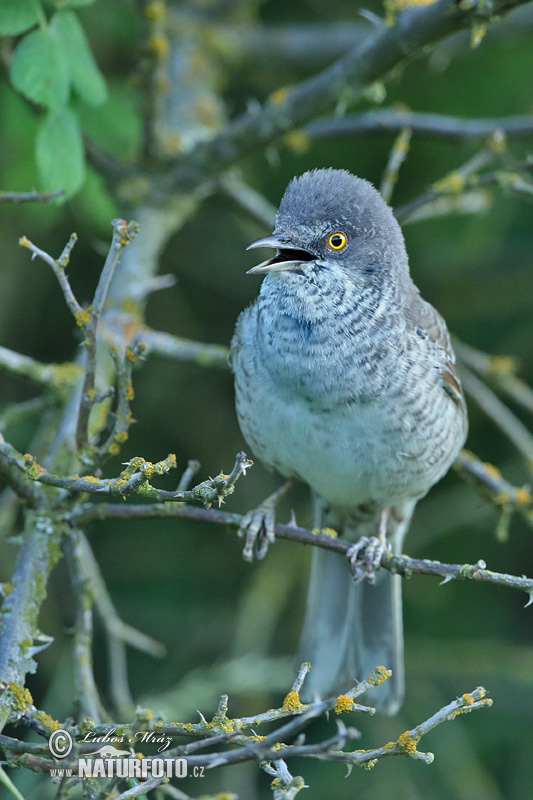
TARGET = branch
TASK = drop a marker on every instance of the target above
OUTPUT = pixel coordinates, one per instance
(503, 417)
(135, 479)
(21, 639)
(402, 565)
(270, 748)
(58, 266)
(30, 197)
(454, 187)
(391, 120)
(500, 369)
(347, 79)
(165, 344)
(54, 375)
(123, 234)
(88, 697)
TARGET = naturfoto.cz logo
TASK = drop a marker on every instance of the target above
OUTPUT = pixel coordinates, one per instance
(110, 762)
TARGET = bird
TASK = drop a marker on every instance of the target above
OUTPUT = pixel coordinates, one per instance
(345, 379)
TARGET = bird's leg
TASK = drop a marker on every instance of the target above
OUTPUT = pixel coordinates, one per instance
(257, 525)
(365, 555)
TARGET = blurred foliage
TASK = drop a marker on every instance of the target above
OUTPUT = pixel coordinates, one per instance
(183, 582)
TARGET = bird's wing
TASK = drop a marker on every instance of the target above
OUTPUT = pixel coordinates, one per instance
(426, 322)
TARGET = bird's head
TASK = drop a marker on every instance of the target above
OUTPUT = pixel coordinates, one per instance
(333, 225)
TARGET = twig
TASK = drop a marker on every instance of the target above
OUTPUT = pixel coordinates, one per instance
(122, 416)
(10, 473)
(123, 234)
(397, 156)
(503, 417)
(30, 197)
(142, 788)
(54, 375)
(58, 267)
(391, 120)
(388, 47)
(272, 747)
(407, 742)
(500, 369)
(284, 785)
(116, 629)
(401, 564)
(87, 692)
(135, 479)
(165, 344)
(454, 183)
(249, 199)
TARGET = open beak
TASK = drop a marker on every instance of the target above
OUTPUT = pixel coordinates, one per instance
(289, 256)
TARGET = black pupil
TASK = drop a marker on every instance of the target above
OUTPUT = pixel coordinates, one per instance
(336, 241)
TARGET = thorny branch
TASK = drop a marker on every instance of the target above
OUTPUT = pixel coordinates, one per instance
(248, 745)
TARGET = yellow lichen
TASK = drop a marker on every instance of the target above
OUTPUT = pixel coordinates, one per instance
(343, 703)
(325, 532)
(21, 696)
(491, 470)
(82, 317)
(479, 29)
(502, 498)
(292, 701)
(159, 46)
(407, 743)
(468, 699)
(523, 495)
(453, 183)
(298, 141)
(47, 721)
(155, 11)
(280, 95)
(129, 394)
(379, 675)
(502, 365)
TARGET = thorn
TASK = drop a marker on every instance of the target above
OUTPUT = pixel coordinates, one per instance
(446, 579)
(530, 601)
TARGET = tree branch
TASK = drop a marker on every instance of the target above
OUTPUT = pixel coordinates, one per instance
(391, 120)
(29, 197)
(402, 565)
(389, 47)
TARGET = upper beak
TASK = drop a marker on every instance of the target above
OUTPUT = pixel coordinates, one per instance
(281, 262)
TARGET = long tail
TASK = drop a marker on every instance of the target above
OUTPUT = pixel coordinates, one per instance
(350, 629)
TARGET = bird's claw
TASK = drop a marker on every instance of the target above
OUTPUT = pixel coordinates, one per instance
(365, 556)
(257, 528)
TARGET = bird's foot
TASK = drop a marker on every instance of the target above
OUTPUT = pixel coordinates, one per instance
(365, 557)
(257, 526)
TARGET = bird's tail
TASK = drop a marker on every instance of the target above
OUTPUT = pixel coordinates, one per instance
(351, 628)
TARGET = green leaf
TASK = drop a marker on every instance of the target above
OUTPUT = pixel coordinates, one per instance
(85, 76)
(59, 153)
(39, 70)
(16, 16)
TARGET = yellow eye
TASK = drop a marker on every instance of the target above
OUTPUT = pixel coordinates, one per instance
(337, 240)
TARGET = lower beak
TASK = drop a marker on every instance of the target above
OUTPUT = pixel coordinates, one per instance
(282, 261)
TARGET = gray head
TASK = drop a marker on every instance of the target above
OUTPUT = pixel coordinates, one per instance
(334, 222)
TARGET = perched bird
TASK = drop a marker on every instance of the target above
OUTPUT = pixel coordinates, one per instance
(345, 379)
